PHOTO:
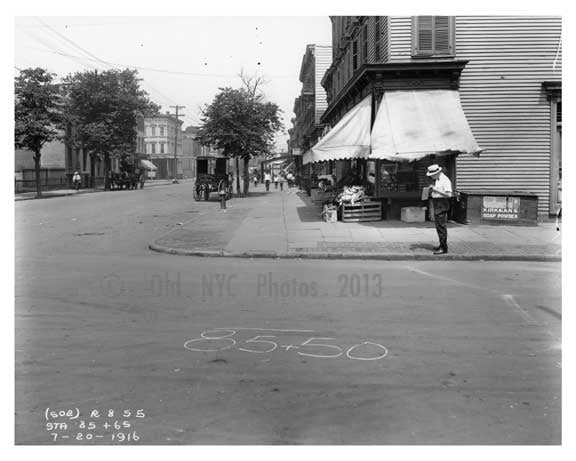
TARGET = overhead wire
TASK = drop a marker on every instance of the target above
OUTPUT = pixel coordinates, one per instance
(71, 42)
(92, 57)
(52, 48)
(88, 56)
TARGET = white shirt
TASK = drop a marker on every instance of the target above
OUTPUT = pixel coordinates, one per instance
(443, 184)
(267, 177)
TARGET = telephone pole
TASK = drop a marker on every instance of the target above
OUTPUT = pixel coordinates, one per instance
(174, 179)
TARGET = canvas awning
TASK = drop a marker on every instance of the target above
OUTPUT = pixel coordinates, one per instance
(348, 139)
(412, 124)
(147, 164)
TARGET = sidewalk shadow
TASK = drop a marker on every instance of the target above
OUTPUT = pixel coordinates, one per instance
(422, 246)
(258, 193)
(308, 214)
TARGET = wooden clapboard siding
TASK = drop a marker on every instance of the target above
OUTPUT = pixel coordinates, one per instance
(322, 61)
(502, 96)
(501, 93)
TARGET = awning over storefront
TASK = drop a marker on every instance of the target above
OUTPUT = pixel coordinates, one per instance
(147, 164)
(412, 124)
(349, 138)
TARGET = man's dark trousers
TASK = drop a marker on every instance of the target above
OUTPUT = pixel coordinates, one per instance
(441, 208)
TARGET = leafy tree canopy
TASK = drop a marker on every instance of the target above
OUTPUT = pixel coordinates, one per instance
(240, 123)
(102, 109)
(36, 109)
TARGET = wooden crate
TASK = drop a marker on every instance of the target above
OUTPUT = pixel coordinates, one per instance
(362, 211)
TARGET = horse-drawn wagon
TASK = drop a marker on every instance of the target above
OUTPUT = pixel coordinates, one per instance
(212, 175)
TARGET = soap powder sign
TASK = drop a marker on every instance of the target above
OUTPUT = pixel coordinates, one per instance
(501, 208)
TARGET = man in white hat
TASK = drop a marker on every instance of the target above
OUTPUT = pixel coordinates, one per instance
(440, 191)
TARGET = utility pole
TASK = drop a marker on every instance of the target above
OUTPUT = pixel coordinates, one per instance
(174, 180)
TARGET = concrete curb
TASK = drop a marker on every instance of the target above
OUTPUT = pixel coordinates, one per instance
(81, 192)
(19, 199)
(344, 256)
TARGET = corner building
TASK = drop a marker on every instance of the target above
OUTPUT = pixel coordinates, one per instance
(480, 96)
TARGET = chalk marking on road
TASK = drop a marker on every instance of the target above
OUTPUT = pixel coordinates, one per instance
(364, 358)
(509, 299)
(448, 279)
(267, 329)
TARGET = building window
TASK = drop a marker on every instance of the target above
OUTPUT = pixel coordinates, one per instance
(162, 147)
(153, 147)
(432, 35)
(355, 55)
(161, 131)
(153, 131)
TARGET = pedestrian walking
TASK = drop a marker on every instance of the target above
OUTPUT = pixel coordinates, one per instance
(267, 179)
(440, 191)
(76, 180)
(281, 181)
(275, 179)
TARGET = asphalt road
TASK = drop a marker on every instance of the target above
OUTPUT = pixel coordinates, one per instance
(118, 345)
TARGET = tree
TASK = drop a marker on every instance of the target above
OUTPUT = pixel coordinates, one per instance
(101, 110)
(36, 113)
(240, 123)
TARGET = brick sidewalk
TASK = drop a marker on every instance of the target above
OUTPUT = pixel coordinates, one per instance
(286, 224)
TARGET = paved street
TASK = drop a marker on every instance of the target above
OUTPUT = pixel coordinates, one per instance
(116, 344)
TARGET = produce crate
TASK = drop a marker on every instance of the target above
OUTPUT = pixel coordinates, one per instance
(362, 211)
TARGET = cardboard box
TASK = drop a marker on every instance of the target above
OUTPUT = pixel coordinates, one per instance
(330, 214)
(413, 214)
(425, 193)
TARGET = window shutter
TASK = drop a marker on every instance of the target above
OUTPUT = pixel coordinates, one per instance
(433, 35)
(442, 34)
(424, 31)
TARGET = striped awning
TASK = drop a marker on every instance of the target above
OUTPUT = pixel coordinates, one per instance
(147, 164)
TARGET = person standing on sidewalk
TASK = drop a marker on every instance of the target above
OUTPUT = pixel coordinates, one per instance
(440, 191)
(281, 181)
(76, 180)
(267, 179)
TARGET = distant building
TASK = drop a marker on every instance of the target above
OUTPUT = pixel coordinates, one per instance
(191, 149)
(311, 103)
(161, 133)
(59, 161)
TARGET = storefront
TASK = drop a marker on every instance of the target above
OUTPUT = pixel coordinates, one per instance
(149, 167)
(387, 159)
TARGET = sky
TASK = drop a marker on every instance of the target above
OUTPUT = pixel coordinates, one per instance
(182, 60)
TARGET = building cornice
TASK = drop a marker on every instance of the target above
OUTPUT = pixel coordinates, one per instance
(386, 76)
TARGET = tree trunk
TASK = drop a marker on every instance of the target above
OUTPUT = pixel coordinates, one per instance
(92, 169)
(246, 175)
(238, 177)
(106, 171)
(37, 156)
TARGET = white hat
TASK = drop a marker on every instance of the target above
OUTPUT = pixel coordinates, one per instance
(433, 169)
